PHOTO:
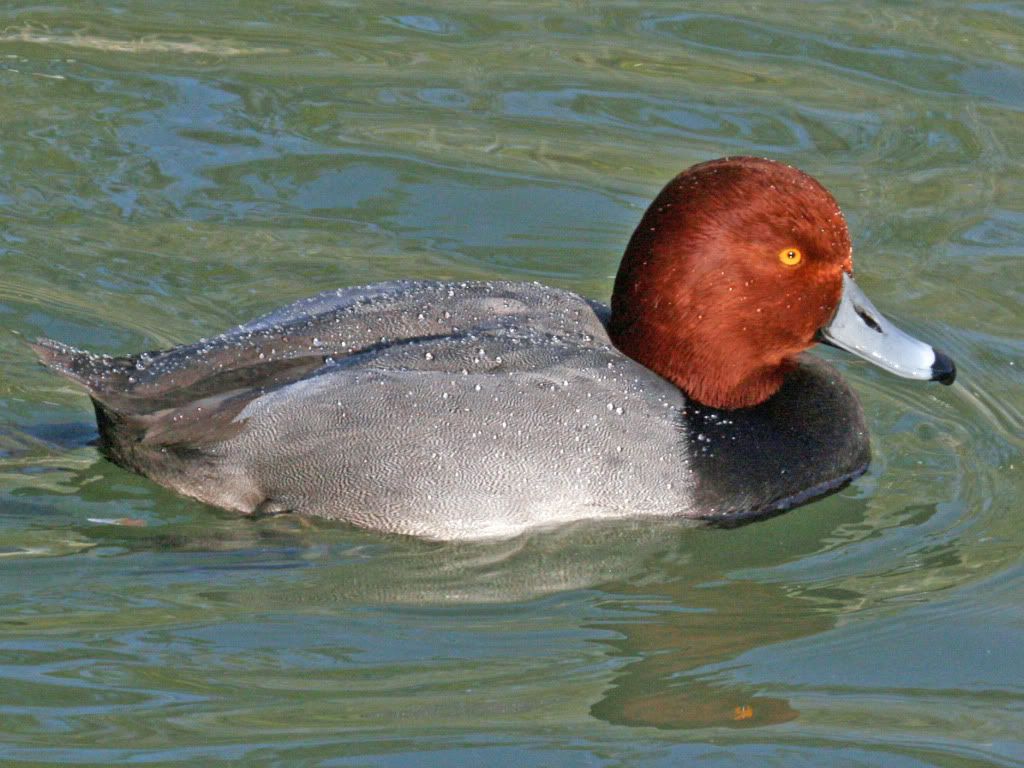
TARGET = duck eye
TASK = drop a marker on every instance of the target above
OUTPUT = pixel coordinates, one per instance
(790, 256)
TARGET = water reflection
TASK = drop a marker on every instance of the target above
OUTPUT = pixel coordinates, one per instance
(672, 605)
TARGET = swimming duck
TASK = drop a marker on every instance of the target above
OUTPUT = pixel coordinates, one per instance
(467, 410)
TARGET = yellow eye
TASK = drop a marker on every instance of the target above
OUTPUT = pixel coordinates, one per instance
(790, 256)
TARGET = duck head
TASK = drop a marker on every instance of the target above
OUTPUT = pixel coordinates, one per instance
(738, 266)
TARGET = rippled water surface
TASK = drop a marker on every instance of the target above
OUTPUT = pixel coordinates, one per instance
(168, 169)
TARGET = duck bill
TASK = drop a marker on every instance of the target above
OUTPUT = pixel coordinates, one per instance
(861, 329)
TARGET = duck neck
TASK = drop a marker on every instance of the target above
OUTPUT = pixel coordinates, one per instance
(704, 370)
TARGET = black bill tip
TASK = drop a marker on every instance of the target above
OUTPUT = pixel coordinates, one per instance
(943, 369)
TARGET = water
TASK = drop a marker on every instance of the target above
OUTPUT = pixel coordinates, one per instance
(167, 172)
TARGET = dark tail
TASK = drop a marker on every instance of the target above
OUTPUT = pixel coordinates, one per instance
(106, 378)
(137, 404)
(102, 375)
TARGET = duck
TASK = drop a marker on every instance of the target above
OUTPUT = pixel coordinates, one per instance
(466, 410)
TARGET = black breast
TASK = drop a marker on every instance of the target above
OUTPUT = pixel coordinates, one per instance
(807, 441)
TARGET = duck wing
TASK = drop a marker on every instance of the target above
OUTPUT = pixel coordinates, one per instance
(190, 395)
(482, 434)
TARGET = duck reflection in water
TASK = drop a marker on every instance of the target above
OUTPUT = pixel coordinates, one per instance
(676, 606)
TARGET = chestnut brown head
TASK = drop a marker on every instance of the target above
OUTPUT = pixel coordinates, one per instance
(739, 265)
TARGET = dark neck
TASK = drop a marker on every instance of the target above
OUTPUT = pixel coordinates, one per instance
(808, 440)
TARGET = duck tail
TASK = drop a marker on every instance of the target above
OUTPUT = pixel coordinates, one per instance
(134, 413)
(102, 375)
(106, 378)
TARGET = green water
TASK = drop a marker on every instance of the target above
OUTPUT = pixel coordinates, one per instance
(168, 169)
